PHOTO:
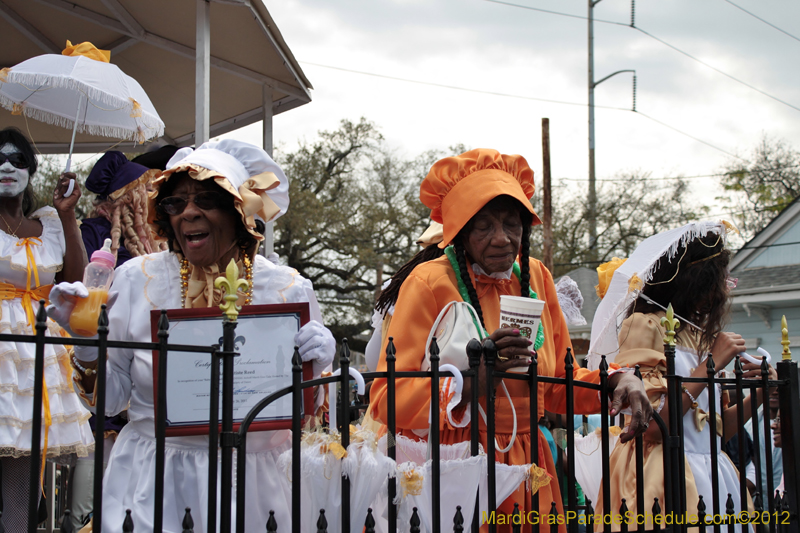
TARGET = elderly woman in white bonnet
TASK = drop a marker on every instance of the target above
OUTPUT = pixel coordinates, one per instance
(204, 205)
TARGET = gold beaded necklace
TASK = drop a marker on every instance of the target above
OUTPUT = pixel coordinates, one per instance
(248, 276)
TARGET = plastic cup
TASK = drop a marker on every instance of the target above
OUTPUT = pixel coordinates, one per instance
(523, 314)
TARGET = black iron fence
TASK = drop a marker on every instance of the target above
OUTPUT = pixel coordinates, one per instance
(777, 512)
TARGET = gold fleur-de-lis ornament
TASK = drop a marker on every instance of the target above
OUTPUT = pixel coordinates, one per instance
(231, 284)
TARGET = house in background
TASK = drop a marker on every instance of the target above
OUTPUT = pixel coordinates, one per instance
(768, 272)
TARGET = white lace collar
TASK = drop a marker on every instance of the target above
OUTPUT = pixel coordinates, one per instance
(476, 268)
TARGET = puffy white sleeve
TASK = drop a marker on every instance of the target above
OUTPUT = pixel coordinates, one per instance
(118, 370)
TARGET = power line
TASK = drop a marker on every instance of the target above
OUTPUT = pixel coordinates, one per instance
(715, 69)
(455, 87)
(665, 43)
(734, 250)
(762, 20)
(769, 245)
(690, 136)
(555, 12)
(721, 175)
(506, 95)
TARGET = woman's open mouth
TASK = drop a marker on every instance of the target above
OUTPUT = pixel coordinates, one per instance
(196, 239)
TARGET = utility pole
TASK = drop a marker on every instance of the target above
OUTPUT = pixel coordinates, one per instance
(591, 215)
(547, 208)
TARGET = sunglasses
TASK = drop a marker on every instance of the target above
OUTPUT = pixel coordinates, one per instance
(175, 205)
(17, 159)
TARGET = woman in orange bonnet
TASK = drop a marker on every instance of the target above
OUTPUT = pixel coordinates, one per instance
(482, 198)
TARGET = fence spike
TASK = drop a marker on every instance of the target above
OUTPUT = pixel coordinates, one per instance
(102, 318)
(458, 519)
(344, 357)
(414, 522)
(737, 366)
(589, 514)
(656, 515)
(434, 349)
(297, 360)
(730, 511)
(390, 350)
(758, 502)
(603, 364)
(272, 524)
(785, 504)
(623, 512)
(322, 522)
(516, 519)
(369, 523)
(710, 367)
(66, 522)
(163, 321)
(553, 521)
(637, 372)
(701, 510)
(127, 524)
(786, 354)
(41, 315)
(188, 522)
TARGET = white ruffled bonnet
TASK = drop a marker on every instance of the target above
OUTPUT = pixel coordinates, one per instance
(248, 173)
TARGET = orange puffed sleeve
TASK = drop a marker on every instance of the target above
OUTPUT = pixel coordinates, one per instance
(423, 294)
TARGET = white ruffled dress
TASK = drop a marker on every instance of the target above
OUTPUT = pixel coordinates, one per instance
(69, 431)
(153, 282)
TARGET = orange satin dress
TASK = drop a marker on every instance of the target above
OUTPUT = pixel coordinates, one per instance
(424, 293)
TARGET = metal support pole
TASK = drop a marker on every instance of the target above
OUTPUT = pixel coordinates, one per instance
(591, 215)
(228, 436)
(202, 72)
(267, 138)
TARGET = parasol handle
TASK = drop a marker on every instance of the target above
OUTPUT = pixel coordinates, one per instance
(71, 146)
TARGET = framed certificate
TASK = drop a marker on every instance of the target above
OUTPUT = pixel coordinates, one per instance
(265, 341)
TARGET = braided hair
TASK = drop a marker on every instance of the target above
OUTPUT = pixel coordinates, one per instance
(524, 255)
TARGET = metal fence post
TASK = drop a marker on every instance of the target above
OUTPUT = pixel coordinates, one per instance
(790, 429)
(161, 417)
(100, 418)
(36, 430)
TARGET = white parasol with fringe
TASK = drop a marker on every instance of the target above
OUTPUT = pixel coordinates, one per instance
(630, 278)
(83, 92)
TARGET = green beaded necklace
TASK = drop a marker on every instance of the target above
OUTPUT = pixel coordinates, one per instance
(450, 252)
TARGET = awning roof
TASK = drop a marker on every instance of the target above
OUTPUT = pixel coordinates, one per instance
(154, 42)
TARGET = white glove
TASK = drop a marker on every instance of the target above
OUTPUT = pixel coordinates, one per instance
(316, 344)
(63, 298)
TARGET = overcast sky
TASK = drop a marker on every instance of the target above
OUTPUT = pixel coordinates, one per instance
(487, 46)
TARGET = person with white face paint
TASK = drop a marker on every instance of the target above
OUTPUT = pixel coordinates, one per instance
(37, 248)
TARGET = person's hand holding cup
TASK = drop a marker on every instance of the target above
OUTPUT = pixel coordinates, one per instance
(525, 315)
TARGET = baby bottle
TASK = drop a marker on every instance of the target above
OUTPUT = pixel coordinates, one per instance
(97, 278)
